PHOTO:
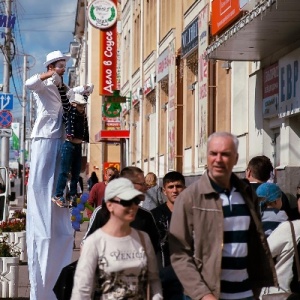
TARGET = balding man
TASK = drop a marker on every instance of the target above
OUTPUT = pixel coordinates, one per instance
(218, 248)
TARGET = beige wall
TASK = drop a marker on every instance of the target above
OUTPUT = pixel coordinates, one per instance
(94, 107)
(222, 118)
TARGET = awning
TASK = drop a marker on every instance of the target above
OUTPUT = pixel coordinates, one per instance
(268, 28)
(111, 135)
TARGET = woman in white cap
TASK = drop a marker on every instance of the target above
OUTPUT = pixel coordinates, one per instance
(49, 231)
(120, 258)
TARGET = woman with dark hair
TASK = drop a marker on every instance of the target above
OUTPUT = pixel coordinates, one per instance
(97, 192)
(119, 257)
(92, 180)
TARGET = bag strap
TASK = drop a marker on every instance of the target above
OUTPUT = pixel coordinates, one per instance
(142, 240)
(148, 293)
(295, 250)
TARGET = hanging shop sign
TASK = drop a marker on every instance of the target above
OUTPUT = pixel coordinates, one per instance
(189, 38)
(136, 95)
(224, 12)
(149, 84)
(102, 14)
(162, 65)
(116, 97)
(112, 135)
(108, 61)
(111, 110)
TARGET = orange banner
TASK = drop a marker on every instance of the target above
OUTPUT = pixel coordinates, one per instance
(224, 12)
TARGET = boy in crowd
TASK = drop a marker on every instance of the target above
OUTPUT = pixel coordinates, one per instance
(173, 185)
(76, 125)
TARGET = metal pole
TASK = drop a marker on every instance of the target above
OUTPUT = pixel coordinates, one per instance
(23, 131)
(6, 76)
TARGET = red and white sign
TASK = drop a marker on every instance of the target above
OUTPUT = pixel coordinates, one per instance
(270, 81)
(270, 91)
(5, 118)
(163, 62)
(148, 85)
(108, 60)
(113, 125)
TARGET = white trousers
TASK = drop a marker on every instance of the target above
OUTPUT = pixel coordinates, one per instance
(49, 230)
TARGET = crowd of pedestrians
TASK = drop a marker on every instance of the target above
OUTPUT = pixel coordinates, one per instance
(217, 238)
(221, 237)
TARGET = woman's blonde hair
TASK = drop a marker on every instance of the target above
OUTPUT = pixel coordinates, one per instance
(151, 179)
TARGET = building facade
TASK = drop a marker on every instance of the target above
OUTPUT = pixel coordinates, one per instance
(186, 73)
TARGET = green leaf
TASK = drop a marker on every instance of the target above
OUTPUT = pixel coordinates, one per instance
(92, 13)
(113, 14)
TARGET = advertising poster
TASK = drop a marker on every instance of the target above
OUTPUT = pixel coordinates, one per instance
(203, 85)
(270, 91)
(171, 106)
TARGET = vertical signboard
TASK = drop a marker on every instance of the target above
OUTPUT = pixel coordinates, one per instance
(270, 91)
(171, 110)
(108, 60)
(15, 136)
(203, 85)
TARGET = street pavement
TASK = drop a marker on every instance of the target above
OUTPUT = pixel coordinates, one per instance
(24, 287)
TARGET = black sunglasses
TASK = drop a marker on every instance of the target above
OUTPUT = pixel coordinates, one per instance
(127, 203)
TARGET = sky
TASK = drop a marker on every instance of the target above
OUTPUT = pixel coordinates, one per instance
(41, 27)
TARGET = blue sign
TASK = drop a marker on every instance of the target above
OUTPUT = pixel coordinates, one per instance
(7, 21)
(189, 38)
(6, 101)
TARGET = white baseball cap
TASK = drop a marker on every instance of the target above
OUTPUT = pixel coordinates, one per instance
(122, 188)
(55, 56)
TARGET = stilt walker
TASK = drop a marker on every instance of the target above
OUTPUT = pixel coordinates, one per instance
(49, 231)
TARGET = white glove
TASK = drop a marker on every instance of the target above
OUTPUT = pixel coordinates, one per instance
(84, 90)
(78, 89)
(57, 80)
(89, 88)
(70, 95)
